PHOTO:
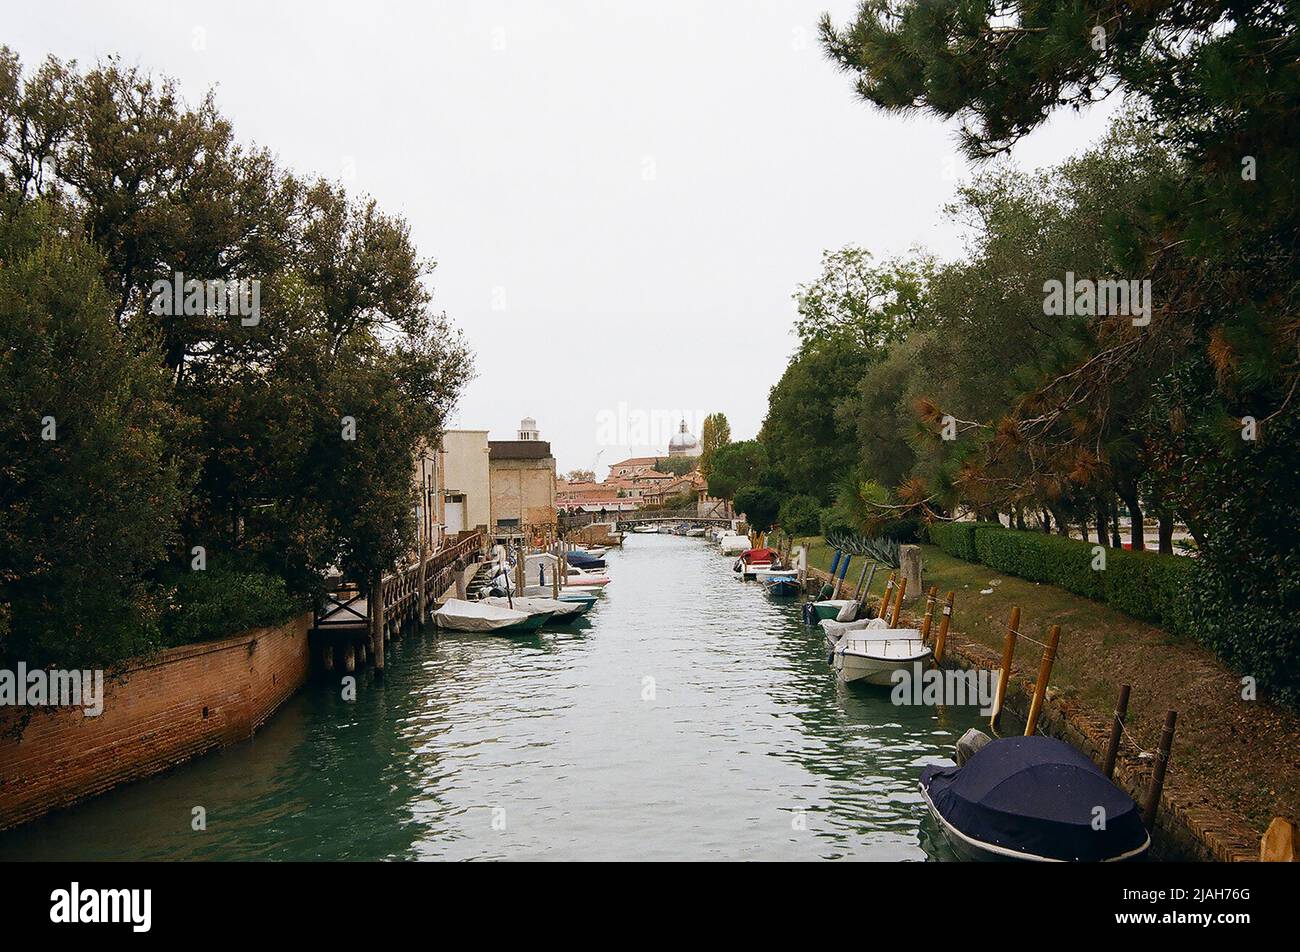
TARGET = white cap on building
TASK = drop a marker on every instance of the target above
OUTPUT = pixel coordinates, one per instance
(528, 429)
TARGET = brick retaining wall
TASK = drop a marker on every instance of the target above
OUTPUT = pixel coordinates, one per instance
(160, 713)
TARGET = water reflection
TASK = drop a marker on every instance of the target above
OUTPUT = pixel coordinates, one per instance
(687, 717)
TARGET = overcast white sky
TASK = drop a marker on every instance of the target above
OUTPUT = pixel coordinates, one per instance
(621, 197)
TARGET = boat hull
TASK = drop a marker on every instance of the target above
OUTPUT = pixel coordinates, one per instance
(781, 588)
(828, 609)
(971, 850)
(877, 661)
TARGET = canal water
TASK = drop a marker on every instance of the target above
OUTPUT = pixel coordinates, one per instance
(688, 717)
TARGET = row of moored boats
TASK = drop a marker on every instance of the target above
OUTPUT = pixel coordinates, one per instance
(1030, 798)
(549, 589)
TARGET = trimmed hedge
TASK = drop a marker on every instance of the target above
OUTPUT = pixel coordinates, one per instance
(958, 538)
(1144, 585)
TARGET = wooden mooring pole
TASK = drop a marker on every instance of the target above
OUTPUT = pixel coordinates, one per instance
(1004, 675)
(929, 613)
(376, 605)
(1040, 686)
(1158, 776)
(1116, 731)
(898, 602)
(942, 637)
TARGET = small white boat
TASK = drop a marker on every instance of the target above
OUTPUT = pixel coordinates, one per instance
(457, 614)
(696, 533)
(835, 630)
(582, 577)
(559, 611)
(873, 655)
(644, 529)
(734, 544)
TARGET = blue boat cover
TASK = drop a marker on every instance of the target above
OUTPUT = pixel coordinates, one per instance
(1036, 795)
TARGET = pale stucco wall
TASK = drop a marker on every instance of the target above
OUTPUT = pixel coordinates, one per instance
(465, 470)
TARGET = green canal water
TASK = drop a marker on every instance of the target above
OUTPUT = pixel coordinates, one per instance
(689, 717)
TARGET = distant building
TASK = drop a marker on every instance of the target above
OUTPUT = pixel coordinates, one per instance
(522, 478)
(684, 444)
(466, 494)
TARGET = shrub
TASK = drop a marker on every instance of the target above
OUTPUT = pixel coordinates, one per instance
(1144, 585)
(958, 538)
(800, 515)
(228, 597)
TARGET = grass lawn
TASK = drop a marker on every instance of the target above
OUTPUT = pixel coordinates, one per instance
(1244, 754)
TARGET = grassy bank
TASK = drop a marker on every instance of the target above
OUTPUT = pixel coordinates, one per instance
(1244, 754)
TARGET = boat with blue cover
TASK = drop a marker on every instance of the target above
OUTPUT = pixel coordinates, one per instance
(1033, 799)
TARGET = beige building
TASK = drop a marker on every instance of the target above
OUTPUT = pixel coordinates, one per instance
(465, 481)
(522, 478)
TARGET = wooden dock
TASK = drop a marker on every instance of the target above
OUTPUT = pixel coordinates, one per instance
(351, 628)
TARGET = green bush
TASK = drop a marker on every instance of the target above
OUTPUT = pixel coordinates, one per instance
(958, 538)
(800, 515)
(1143, 585)
(225, 599)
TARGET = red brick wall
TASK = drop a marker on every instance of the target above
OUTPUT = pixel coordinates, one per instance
(152, 720)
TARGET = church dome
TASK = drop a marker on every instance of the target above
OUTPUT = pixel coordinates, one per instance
(683, 443)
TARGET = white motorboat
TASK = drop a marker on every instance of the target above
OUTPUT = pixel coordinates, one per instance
(560, 611)
(644, 529)
(873, 655)
(695, 533)
(457, 614)
(734, 544)
(835, 630)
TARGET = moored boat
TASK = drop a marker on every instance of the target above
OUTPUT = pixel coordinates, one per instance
(457, 614)
(832, 607)
(561, 612)
(751, 560)
(780, 584)
(1033, 799)
(871, 656)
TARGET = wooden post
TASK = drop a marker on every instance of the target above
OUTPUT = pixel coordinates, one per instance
(1040, 686)
(929, 613)
(857, 592)
(839, 581)
(1158, 777)
(422, 591)
(376, 605)
(1116, 731)
(1279, 842)
(349, 657)
(327, 658)
(942, 637)
(1008, 652)
(555, 578)
(898, 602)
(865, 598)
(882, 610)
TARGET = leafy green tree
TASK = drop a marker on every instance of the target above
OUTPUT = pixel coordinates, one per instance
(90, 492)
(1213, 233)
(800, 515)
(809, 440)
(738, 464)
(867, 305)
(715, 433)
(760, 506)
